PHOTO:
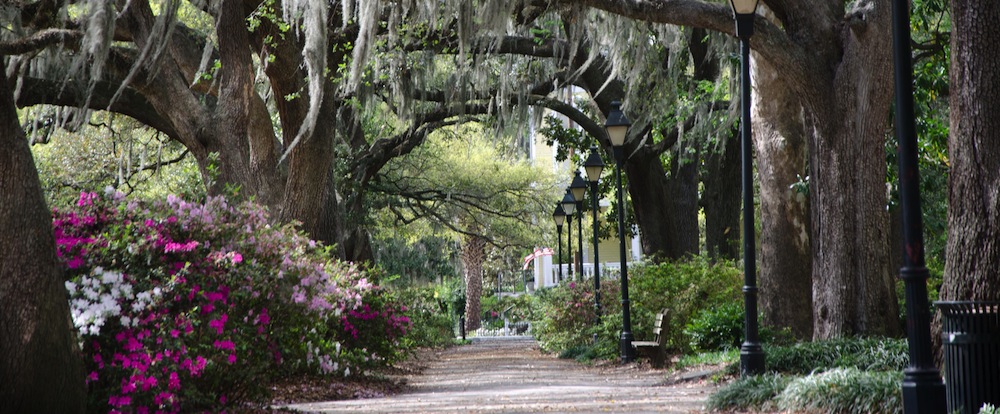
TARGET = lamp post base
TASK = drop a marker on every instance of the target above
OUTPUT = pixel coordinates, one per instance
(628, 351)
(751, 359)
(923, 392)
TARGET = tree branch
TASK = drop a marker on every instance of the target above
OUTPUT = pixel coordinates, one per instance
(40, 40)
(36, 91)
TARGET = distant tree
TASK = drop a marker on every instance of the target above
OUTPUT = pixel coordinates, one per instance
(485, 195)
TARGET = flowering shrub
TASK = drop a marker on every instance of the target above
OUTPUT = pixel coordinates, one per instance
(566, 315)
(176, 303)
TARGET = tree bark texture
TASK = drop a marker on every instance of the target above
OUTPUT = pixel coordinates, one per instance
(473, 255)
(785, 253)
(664, 217)
(972, 269)
(853, 288)
(41, 368)
(721, 199)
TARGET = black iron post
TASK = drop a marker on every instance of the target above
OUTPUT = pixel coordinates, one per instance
(569, 206)
(578, 188)
(559, 236)
(569, 246)
(617, 125)
(628, 352)
(594, 166)
(597, 266)
(579, 238)
(923, 390)
(751, 352)
(559, 216)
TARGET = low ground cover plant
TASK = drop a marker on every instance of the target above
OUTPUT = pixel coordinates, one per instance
(185, 306)
(847, 375)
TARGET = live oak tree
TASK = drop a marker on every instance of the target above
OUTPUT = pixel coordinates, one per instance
(973, 250)
(41, 369)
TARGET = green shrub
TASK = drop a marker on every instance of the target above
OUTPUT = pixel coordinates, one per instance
(431, 317)
(750, 393)
(683, 288)
(989, 409)
(844, 390)
(717, 328)
(564, 316)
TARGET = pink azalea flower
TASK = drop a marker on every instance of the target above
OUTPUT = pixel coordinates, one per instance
(225, 345)
(218, 324)
(173, 382)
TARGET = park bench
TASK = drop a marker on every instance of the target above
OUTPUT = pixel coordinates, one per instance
(656, 349)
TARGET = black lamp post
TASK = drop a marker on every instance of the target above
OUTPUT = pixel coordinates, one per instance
(578, 187)
(923, 391)
(569, 206)
(751, 353)
(560, 217)
(617, 126)
(594, 165)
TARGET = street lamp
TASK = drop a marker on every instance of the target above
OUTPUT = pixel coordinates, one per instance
(569, 206)
(751, 353)
(923, 391)
(617, 127)
(578, 187)
(560, 217)
(594, 165)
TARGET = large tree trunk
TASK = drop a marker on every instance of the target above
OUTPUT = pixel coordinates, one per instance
(721, 199)
(972, 269)
(786, 294)
(473, 255)
(853, 290)
(665, 210)
(41, 369)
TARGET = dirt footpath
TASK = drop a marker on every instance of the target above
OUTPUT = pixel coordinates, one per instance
(511, 375)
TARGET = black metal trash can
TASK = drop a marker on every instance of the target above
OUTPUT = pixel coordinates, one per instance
(970, 333)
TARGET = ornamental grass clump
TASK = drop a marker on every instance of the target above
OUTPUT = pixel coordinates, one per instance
(186, 306)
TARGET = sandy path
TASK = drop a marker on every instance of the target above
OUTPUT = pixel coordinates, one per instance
(506, 375)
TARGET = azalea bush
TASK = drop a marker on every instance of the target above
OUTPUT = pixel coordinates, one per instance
(187, 306)
(566, 315)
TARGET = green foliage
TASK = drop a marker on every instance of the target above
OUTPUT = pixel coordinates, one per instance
(716, 328)
(873, 354)
(750, 393)
(115, 152)
(422, 259)
(565, 316)
(683, 288)
(431, 317)
(693, 287)
(844, 390)
(515, 308)
(728, 356)
(989, 409)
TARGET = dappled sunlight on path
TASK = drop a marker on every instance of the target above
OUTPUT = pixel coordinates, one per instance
(510, 375)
